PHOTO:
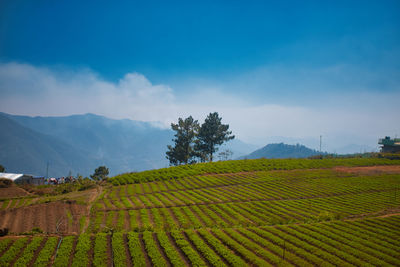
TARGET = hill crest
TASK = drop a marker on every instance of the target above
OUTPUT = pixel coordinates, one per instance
(281, 151)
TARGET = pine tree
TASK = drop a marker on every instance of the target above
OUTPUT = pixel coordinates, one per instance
(212, 134)
(183, 150)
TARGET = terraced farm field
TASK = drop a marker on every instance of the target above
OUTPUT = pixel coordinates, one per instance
(320, 213)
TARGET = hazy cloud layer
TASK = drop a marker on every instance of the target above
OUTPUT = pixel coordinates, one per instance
(32, 90)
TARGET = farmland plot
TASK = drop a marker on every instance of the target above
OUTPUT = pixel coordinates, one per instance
(361, 242)
(255, 213)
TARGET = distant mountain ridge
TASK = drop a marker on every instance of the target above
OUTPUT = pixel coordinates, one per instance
(121, 145)
(81, 143)
(281, 150)
(24, 150)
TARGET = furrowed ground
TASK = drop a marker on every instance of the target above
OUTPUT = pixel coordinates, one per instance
(341, 212)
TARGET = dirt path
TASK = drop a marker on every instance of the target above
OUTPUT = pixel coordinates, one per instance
(379, 214)
(93, 196)
(389, 215)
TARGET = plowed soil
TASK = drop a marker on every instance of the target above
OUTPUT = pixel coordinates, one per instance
(370, 170)
(13, 191)
(45, 216)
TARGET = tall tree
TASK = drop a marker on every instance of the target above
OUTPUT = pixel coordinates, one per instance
(212, 134)
(100, 173)
(183, 150)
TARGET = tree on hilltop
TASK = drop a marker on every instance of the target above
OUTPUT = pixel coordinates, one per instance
(100, 173)
(212, 134)
(183, 151)
(2, 169)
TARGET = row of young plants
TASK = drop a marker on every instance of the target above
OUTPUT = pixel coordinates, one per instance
(81, 255)
(243, 166)
(247, 213)
(4, 243)
(64, 251)
(47, 252)
(264, 188)
(100, 258)
(29, 247)
(16, 202)
(341, 243)
(156, 191)
(10, 255)
(29, 252)
(118, 249)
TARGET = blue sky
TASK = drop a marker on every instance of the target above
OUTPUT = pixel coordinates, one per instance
(316, 56)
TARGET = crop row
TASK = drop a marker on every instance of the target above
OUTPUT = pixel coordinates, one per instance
(248, 213)
(47, 252)
(263, 186)
(243, 166)
(17, 202)
(341, 243)
(29, 251)
(64, 251)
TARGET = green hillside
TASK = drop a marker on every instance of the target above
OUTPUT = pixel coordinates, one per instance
(234, 166)
(282, 151)
(236, 213)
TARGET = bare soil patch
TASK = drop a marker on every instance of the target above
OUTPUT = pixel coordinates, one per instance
(47, 217)
(12, 191)
(370, 170)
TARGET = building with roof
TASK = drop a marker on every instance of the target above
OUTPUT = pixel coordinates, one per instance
(19, 178)
(390, 145)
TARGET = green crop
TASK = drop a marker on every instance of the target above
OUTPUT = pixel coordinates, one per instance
(118, 249)
(243, 166)
(12, 252)
(64, 251)
(100, 250)
(81, 257)
(29, 251)
(152, 249)
(47, 251)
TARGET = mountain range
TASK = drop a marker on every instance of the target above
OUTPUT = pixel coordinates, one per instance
(77, 144)
(81, 143)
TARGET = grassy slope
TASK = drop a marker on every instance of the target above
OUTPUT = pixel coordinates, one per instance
(303, 213)
(234, 166)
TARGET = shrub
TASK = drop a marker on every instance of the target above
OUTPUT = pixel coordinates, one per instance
(3, 232)
(4, 182)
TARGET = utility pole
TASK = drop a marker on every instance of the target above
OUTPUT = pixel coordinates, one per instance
(320, 144)
(47, 170)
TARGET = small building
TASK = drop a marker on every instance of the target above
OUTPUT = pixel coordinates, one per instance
(390, 145)
(19, 178)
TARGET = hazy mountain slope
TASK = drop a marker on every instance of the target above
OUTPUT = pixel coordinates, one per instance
(282, 151)
(121, 145)
(23, 150)
(238, 147)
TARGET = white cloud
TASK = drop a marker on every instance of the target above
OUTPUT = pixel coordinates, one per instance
(42, 91)
(31, 90)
